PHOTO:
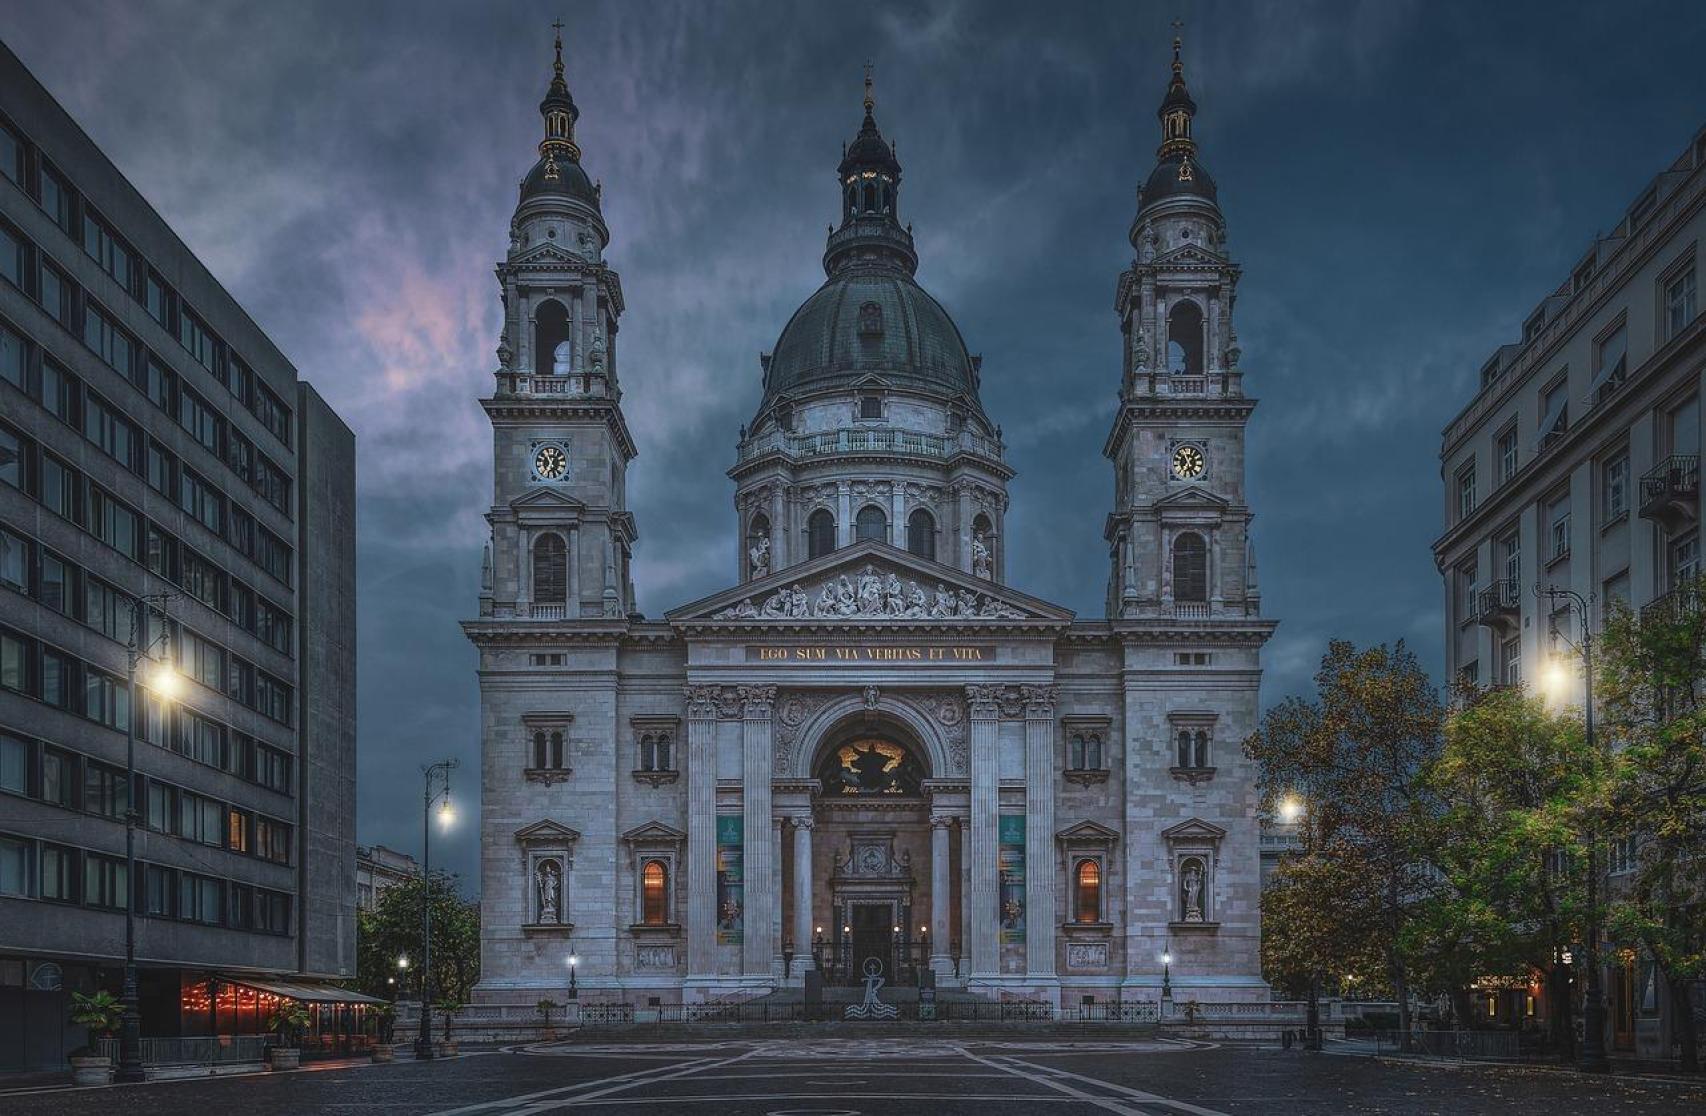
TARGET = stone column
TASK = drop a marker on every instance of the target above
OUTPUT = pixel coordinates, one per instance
(984, 898)
(803, 894)
(897, 515)
(701, 831)
(1039, 831)
(573, 611)
(941, 897)
(756, 951)
(964, 527)
(843, 514)
(776, 961)
(778, 530)
(524, 575)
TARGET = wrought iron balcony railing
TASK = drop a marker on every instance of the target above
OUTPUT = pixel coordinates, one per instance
(1671, 490)
(1498, 604)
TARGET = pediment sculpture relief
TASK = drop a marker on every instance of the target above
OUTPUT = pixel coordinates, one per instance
(868, 595)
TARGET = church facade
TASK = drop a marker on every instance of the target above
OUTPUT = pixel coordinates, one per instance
(873, 751)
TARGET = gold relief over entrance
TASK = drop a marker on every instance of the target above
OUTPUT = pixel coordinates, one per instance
(870, 765)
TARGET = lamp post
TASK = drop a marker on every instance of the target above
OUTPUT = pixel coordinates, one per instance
(1166, 977)
(164, 681)
(574, 989)
(433, 774)
(1593, 1058)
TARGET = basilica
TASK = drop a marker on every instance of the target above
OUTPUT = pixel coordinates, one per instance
(872, 752)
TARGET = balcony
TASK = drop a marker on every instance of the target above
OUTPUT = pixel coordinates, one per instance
(1670, 493)
(1675, 606)
(885, 440)
(1498, 605)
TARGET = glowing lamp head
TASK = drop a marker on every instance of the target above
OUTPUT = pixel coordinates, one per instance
(402, 962)
(1167, 958)
(573, 960)
(446, 812)
(1290, 808)
(163, 680)
(1557, 678)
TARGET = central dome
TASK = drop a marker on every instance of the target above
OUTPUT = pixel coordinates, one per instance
(871, 321)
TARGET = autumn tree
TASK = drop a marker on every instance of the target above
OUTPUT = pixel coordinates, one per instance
(1358, 753)
(1513, 778)
(392, 929)
(1652, 689)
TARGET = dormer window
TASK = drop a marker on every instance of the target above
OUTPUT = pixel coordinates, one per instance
(870, 407)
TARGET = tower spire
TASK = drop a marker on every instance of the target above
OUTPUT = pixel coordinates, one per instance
(870, 100)
(560, 113)
(1177, 108)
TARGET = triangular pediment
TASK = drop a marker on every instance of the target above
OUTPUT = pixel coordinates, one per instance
(654, 833)
(547, 832)
(1187, 255)
(1193, 830)
(1088, 832)
(546, 497)
(870, 583)
(1193, 499)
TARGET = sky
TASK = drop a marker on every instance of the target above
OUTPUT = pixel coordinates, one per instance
(1402, 182)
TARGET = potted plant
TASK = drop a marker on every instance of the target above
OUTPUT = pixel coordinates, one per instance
(546, 1007)
(102, 1014)
(448, 1008)
(289, 1022)
(382, 1049)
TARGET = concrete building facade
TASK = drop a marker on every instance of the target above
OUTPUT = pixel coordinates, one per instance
(154, 441)
(1577, 464)
(872, 752)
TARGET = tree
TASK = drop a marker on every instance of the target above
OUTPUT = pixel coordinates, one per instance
(1513, 777)
(1358, 754)
(1652, 686)
(392, 929)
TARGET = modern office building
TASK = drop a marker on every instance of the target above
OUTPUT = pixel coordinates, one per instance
(156, 446)
(1577, 464)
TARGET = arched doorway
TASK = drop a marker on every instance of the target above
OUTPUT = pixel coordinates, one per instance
(871, 816)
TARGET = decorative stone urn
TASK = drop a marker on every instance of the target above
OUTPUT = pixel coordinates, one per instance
(92, 1069)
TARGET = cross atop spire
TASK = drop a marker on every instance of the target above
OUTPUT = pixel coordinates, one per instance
(557, 26)
(870, 100)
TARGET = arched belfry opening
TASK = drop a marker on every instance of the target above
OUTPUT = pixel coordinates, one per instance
(871, 891)
(551, 331)
(1185, 339)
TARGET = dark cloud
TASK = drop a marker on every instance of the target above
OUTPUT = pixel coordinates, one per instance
(1403, 182)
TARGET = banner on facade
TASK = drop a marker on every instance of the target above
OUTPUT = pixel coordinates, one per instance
(1011, 862)
(731, 888)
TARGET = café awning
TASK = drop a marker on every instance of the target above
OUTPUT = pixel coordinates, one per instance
(308, 993)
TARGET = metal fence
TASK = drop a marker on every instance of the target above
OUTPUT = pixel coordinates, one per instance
(197, 1050)
(1463, 1046)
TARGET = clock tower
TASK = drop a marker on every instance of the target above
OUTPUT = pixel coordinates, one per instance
(561, 533)
(1179, 534)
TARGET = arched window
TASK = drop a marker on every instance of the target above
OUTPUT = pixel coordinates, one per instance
(541, 750)
(1185, 339)
(820, 533)
(550, 329)
(654, 893)
(1087, 891)
(548, 750)
(1184, 748)
(871, 524)
(1200, 757)
(921, 534)
(1190, 567)
(870, 197)
(550, 570)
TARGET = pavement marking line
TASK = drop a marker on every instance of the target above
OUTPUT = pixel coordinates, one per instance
(1135, 1094)
(525, 1098)
(1061, 1087)
(617, 1085)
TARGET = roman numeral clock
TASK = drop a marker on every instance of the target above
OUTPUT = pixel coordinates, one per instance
(550, 461)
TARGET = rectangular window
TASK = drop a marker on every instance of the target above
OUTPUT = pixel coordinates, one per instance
(159, 807)
(198, 899)
(237, 827)
(161, 553)
(59, 873)
(200, 819)
(273, 555)
(1466, 491)
(1680, 302)
(106, 610)
(104, 790)
(269, 480)
(201, 659)
(161, 469)
(1466, 586)
(272, 412)
(113, 523)
(104, 426)
(157, 890)
(1510, 553)
(14, 765)
(14, 561)
(56, 199)
(12, 156)
(14, 258)
(1685, 427)
(55, 679)
(203, 580)
(59, 392)
(272, 840)
(162, 384)
(1616, 487)
(1554, 412)
(59, 488)
(54, 589)
(1684, 559)
(195, 416)
(1510, 656)
(14, 451)
(195, 337)
(272, 697)
(59, 778)
(242, 904)
(272, 911)
(107, 250)
(157, 298)
(1507, 454)
(272, 768)
(1610, 363)
(13, 362)
(14, 866)
(14, 662)
(105, 698)
(112, 344)
(54, 294)
(1558, 527)
(105, 882)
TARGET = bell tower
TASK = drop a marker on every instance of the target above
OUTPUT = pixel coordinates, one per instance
(562, 536)
(1178, 536)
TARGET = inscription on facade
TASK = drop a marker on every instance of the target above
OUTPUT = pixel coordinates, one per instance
(870, 653)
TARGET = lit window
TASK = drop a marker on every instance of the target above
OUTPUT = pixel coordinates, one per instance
(1087, 892)
(654, 893)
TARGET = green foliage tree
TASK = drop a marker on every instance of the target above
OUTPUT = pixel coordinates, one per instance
(1514, 777)
(1652, 688)
(1358, 754)
(392, 929)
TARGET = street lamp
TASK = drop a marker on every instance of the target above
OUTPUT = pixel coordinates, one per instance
(1593, 1003)
(1290, 808)
(164, 682)
(1166, 975)
(574, 990)
(433, 775)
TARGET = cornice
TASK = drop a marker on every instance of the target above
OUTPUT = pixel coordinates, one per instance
(559, 408)
(1173, 409)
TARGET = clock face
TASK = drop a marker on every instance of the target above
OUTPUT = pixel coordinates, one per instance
(550, 462)
(1188, 462)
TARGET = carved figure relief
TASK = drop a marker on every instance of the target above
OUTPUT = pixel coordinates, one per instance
(872, 594)
(871, 765)
(758, 558)
(981, 566)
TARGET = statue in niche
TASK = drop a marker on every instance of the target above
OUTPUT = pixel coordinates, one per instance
(549, 891)
(981, 565)
(1140, 355)
(759, 557)
(1192, 888)
(563, 359)
(595, 354)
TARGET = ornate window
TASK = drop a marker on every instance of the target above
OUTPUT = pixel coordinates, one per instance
(871, 524)
(551, 331)
(1190, 567)
(921, 534)
(1084, 751)
(1086, 748)
(547, 749)
(654, 893)
(820, 533)
(1192, 746)
(654, 748)
(545, 738)
(550, 570)
(1087, 891)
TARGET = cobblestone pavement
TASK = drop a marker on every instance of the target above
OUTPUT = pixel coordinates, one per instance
(868, 1077)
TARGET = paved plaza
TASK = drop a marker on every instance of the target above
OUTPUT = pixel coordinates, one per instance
(854, 1077)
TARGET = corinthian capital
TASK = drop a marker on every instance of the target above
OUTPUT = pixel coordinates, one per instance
(984, 702)
(756, 701)
(701, 701)
(1039, 700)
